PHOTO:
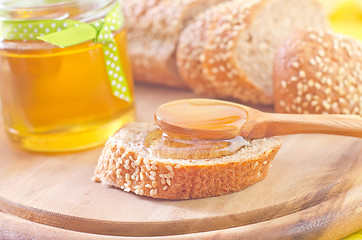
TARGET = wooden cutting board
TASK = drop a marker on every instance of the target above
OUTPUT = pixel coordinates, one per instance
(313, 191)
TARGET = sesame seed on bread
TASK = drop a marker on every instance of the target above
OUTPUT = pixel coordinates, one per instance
(153, 30)
(232, 46)
(318, 72)
(190, 58)
(127, 164)
(135, 10)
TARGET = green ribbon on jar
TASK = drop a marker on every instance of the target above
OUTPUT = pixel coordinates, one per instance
(65, 33)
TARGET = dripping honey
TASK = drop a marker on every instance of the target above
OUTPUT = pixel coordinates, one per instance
(162, 145)
(197, 129)
(57, 99)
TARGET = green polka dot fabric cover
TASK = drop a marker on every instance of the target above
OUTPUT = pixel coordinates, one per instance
(65, 33)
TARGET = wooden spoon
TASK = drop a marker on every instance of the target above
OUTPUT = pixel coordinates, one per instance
(215, 119)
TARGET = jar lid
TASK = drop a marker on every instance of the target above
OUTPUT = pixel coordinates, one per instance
(81, 10)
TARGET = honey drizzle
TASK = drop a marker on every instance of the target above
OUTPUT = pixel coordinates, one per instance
(162, 145)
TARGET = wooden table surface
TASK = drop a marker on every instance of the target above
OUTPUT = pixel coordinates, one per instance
(313, 191)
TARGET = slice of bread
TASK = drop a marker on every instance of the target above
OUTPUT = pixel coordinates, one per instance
(127, 164)
(228, 51)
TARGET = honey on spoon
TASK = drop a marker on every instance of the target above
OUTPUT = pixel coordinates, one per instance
(216, 119)
(184, 144)
(208, 128)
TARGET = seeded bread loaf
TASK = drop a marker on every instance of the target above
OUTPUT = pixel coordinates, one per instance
(318, 72)
(153, 30)
(225, 52)
(127, 164)
(229, 50)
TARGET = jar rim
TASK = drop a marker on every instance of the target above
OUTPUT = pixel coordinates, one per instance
(80, 10)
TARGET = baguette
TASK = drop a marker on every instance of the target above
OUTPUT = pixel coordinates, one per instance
(153, 30)
(318, 72)
(228, 51)
(127, 164)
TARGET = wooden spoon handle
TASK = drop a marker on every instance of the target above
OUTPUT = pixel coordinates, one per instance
(282, 124)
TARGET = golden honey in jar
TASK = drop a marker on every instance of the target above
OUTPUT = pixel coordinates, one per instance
(60, 99)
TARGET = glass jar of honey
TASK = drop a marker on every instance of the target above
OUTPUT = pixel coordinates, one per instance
(64, 98)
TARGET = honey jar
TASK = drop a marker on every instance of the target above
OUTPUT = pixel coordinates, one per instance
(65, 79)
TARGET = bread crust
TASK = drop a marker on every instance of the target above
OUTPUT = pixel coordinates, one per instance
(220, 48)
(153, 37)
(151, 60)
(318, 72)
(149, 52)
(135, 11)
(123, 167)
(190, 55)
(207, 53)
(205, 56)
